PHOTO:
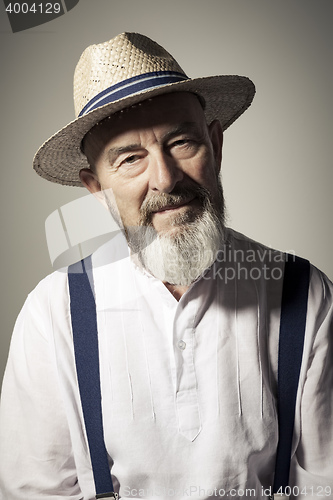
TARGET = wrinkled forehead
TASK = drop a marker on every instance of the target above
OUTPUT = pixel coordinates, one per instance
(167, 109)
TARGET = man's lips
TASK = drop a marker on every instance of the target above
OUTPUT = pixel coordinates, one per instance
(170, 208)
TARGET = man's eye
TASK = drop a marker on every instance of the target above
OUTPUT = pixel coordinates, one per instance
(130, 159)
(181, 142)
(184, 147)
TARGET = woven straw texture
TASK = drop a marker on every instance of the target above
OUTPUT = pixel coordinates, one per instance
(103, 65)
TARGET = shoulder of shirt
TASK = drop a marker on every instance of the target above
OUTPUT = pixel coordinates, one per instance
(56, 282)
(239, 240)
(320, 290)
(50, 286)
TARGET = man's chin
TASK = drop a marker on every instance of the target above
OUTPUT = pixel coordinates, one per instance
(172, 231)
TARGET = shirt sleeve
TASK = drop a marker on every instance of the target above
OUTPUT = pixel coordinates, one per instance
(312, 464)
(36, 458)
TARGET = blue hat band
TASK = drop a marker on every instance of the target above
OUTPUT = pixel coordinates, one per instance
(132, 86)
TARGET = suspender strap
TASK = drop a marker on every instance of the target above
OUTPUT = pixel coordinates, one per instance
(84, 325)
(291, 341)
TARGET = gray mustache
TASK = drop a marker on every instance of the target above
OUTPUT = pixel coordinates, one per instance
(161, 200)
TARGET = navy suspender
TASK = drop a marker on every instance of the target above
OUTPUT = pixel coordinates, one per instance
(84, 324)
(291, 340)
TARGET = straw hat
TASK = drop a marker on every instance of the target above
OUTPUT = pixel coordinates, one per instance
(119, 73)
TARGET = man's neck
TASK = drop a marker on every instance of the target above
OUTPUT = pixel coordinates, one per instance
(176, 290)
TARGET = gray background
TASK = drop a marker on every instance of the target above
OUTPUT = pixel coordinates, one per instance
(277, 168)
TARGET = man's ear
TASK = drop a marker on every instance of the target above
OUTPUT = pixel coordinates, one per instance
(90, 181)
(216, 137)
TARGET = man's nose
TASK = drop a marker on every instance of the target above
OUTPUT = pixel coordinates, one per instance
(164, 172)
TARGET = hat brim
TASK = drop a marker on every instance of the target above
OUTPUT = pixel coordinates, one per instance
(60, 158)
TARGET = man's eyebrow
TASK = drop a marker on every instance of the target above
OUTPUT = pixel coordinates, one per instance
(182, 128)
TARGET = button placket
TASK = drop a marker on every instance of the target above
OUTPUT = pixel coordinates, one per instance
(187, 395)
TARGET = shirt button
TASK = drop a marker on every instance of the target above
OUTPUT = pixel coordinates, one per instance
(182, 345)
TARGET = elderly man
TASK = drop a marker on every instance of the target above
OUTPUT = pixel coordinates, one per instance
(180, 397)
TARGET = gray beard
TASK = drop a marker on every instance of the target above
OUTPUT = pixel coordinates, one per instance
(181, 255)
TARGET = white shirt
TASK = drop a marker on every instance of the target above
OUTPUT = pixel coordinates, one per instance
(188, 387)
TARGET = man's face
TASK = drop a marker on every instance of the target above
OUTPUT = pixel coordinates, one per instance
(155, 149)
(161, 163)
